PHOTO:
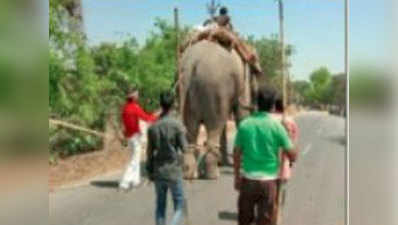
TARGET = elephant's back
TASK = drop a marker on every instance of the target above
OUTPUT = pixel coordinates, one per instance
(211, 63)
(209, 53)
(212, 77)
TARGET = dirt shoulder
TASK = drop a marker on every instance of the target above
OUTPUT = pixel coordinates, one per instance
(80, 168)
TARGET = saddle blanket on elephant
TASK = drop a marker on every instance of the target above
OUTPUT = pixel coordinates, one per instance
(224, 37)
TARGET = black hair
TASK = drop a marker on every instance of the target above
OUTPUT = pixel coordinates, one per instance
(223, 10)
(279, 107)
(266, 98)
(166, 101)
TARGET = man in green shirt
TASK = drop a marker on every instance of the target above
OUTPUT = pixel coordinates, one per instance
(258, 144)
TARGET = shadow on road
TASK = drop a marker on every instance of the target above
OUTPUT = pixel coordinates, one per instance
(225, 215)
(105, 184)
(341, 140)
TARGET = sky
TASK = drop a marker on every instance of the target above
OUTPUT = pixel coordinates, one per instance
(370, 33)
(314, 27)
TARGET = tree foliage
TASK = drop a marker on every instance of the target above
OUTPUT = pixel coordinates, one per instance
(323, 88)
(319, 91)
(269, 52)
(88, 84)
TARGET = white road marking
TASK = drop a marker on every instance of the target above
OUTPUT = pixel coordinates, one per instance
(307, 149)
(319, 131)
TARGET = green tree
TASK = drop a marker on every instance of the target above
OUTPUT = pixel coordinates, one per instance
(338, 89)
(269, 53)
(301, 88)
(319, 91)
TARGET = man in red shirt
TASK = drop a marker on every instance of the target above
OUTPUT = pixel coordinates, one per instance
(131, 115)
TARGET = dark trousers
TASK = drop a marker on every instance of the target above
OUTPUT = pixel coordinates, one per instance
(256, 203)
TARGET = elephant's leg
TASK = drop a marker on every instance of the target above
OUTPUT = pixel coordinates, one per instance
(190, 165)
(213, 154)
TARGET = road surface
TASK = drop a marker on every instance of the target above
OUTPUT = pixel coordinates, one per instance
(315, 194)
(373, 167)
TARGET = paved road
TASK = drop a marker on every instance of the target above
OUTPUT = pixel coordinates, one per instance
(316, 193)
(373, 167)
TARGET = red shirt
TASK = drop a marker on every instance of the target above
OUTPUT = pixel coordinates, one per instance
(131, 115)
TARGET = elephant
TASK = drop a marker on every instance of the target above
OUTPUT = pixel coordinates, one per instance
(215, 83)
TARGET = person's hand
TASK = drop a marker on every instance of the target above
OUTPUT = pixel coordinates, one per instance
(157, 112)
(238, 183)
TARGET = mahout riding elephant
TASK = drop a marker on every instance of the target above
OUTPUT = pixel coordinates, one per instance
(215, 83)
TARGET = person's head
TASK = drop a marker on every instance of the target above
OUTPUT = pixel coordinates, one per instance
(166, 101)
(279, 104)
(223, 10)
(133, 95)
(266, 98)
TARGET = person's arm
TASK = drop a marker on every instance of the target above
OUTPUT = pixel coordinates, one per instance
(144, 116)
(292, 154)
(293, 132)
(288, 148)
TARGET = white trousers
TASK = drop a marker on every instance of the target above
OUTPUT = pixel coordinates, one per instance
(132, 176)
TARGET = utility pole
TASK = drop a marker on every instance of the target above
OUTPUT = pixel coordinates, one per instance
(282, 47)
(177, 30)
(281, 187)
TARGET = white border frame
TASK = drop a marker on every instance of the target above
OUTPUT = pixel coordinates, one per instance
(347, 124)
